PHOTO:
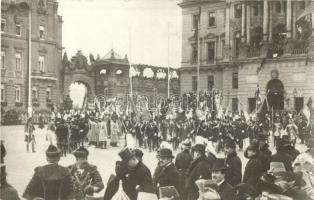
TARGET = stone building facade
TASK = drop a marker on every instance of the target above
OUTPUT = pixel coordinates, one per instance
(109, 76)
(46, 54)
(242, 47)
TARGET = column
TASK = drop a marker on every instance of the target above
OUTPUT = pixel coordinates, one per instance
(265, 20)
(270, 22)
(243, 23)
(289, 18)
(227, 34)
(248, 24)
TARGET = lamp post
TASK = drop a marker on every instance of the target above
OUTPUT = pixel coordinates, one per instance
(29, 101)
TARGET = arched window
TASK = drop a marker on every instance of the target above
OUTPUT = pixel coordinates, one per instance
(103, 72)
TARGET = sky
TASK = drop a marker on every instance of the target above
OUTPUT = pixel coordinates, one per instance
(138, 28)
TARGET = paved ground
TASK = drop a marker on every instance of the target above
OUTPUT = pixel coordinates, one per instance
(20, 164)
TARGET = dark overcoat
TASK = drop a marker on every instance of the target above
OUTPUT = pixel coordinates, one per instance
(234, 169)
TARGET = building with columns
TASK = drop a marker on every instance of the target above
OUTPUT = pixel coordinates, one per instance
(45, 55)
(240, 46)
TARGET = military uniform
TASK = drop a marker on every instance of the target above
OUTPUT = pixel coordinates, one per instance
(82, 179)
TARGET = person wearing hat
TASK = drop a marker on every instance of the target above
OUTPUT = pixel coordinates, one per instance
(288, 148)
(7, 191)
(264, 153)
(182, 162)
(223, 188)
(282, 156)
(134, 174)
(198, 169)
(292, 131)
(233, 174)
(87, 177)
(62, 134)
(254, 168)
(166, 173)
(50, 181)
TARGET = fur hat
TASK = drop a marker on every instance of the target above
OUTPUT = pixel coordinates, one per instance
(53, 152)
(126, 154)
(199, 147)
(81, 152)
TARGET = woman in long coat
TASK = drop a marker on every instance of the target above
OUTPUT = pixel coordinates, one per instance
(92, 135)
(103, 133)
(114, 127)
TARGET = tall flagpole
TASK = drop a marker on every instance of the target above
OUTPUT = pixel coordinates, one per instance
(29, 105)
(198, 57)
(168, 81)
(130, 65)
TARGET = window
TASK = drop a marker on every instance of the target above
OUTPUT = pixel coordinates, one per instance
(237, 44)
(278, 7)
(41, 63)
(302, 5)
(194, 54)
(211, 52)
(252, 104)
(18, 61)
(237, 11)
(48, 93)
(211, 19)
(3, 25)
(195, 19)
(235, 80)
(194, 83)
(210, 82)
(41, 32)
(17, 94)
(2, 59)
(2, 92)
(235, 105)
(18, 29)
(298, 103)
(35, 94)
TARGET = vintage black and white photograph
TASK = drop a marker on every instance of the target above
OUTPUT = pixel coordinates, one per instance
(157, 100)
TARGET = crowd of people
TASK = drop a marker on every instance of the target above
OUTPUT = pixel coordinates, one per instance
(197, 172)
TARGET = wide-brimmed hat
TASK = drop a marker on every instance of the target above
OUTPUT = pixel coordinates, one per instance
(186, 144)
(199, 147)
(53, 152)
(165, 153)
(126, 154)
(81, 152)
(219, 164)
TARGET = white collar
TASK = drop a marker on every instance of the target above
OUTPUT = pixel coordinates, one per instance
(219, 183)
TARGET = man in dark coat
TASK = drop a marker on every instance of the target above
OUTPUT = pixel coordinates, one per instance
(51, 181)
(166, 173)
(264, 152)
(224, 189)
(254, 168)
(281, 156)
(151, 132)
(7, 191)
(198, 169)
(86, 177)
(133, 173)
(288, 148)
(182, 162)
(233, 174)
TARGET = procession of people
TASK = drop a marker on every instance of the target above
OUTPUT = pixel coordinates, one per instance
(197, 155)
